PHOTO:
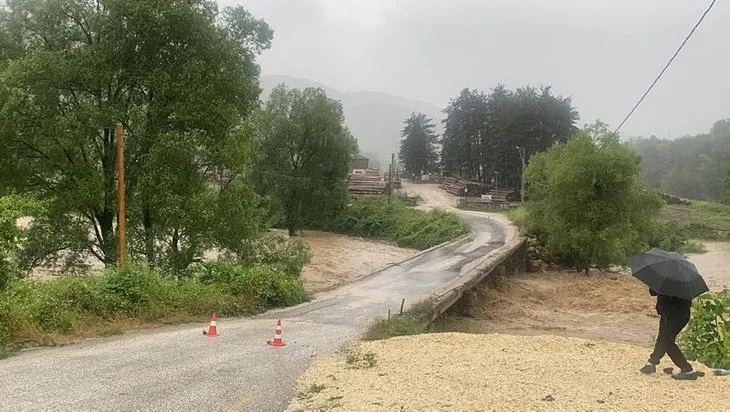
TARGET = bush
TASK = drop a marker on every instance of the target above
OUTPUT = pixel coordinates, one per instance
(674, 236)
(707, 336)
(40, 312)
(395, 222)
(288, 254)
(414, 321)
(12, 238)
(264, 283)
(518, 216)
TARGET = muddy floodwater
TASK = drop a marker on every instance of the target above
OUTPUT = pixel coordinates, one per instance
(339, 259)
(714, 265)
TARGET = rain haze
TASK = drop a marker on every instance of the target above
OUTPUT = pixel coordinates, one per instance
(603, 54)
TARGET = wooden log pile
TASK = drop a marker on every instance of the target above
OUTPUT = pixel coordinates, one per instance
(476, 188)
(501, 195)
(458, 187)
(366, 182)
(675, 200)
(453, 186)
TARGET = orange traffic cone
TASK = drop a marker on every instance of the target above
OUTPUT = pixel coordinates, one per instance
(212, 329)
(277, 336)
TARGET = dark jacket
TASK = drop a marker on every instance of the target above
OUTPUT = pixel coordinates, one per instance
(670, 306)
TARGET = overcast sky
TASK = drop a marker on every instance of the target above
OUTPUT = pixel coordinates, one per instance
(603, 53)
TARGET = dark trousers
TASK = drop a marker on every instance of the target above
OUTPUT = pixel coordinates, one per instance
(669, 328)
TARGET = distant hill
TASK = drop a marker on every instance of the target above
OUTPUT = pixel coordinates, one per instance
(374, 118)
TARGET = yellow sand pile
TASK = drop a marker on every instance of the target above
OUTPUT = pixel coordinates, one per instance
(465, 372)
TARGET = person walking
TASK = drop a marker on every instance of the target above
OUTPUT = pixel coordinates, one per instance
(675, 282)
(674, 314)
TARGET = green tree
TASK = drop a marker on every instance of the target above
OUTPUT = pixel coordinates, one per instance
(418, 147)
(727, 187)
(462, 143)
(588, 205)
(305, 151)
(180, 76)
(481, 131)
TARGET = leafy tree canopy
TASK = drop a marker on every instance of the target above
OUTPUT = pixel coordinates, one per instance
(482, 131)
(182, 78)
(588, 204)
(304, 154)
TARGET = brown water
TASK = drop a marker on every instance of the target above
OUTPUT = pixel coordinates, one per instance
(339, 259)
(714, 265)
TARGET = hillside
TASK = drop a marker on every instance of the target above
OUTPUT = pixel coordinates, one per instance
(691, 166)
(375, 118)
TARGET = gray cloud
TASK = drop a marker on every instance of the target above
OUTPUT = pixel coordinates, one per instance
(602, 53)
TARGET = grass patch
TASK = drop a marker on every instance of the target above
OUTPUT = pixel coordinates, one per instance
(693, 246)
(395, 222)
(358, 360)
(700, 220)
(73, 308)
(414, 321)
(518, 216)
(311, 391)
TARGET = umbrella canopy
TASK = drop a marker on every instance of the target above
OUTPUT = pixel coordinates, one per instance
(668, 273)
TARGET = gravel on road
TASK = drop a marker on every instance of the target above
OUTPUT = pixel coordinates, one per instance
(465, 372)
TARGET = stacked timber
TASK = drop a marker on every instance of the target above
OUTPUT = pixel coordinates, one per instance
(453, 186)
(501, 195)
(475, 188)
(365, 182)
(459, 187)
(675, 200)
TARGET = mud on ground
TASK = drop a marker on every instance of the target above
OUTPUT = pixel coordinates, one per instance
(604, 306)
(338, 259)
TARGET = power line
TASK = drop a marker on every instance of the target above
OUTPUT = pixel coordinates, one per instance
(666, 66)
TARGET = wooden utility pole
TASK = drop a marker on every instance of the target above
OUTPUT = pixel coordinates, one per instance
(121, 220)
(522, 179)
(390, 178)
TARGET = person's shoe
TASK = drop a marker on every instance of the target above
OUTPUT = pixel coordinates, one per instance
(648, 369)
(685, 376)
(670, 371)
(722, 372)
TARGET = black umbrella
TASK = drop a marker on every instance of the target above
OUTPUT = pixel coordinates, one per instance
(668, 273)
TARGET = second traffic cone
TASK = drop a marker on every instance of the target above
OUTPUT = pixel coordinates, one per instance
(213, 328)
(277, 336)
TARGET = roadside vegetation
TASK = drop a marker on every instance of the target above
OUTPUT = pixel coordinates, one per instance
(414, 321)
(68, 308)
(700, 220)
(707, 336)
(395, 222)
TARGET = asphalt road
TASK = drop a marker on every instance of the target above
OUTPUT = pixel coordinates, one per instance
(177, 368)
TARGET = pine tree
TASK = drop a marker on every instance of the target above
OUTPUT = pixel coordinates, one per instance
(418, 147)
